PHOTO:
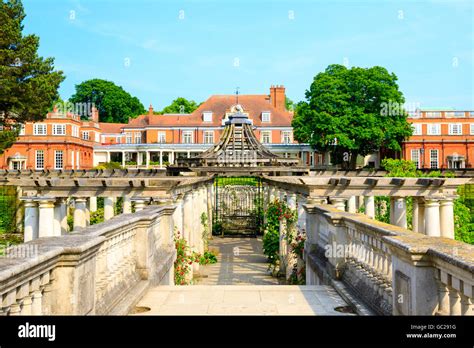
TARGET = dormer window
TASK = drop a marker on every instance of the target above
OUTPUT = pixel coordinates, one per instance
(207, 116)
(265, 116)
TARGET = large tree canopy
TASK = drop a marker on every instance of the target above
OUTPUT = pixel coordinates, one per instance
(112, 101)
(354, 111)
(28, 83)
(180, 106)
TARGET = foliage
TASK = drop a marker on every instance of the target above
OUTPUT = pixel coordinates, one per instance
(109, 165)
(184, 260)
(209, 257)
(463, 222)
(70, 219)
(96, 217)
(112, 101)
(9, 208)
(205, 229)
(400, 168)
(180, 106)
(28, 83)
(217, 228)
(289, 104)
(349, 105)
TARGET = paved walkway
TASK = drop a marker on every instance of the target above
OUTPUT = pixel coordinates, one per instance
(239, 284)
(240, 262)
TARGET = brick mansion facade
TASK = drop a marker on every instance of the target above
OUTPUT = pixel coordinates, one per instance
(442, 138)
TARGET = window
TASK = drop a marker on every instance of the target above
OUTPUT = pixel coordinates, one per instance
(128, 138)
(449, 114)
(39, 129)
(265, 116)
(85, 135)
(187, 137)
(472, 128)
(415, 157)
(417, 129)
(434, 159)
(286, 137)
(58, 159)
(207, 116)
(209, 137)
(75, 131)
(96, 137)
(433, 114)
(59, 129)
(22, 129)
(459, 114)
(266, 137)
(455, 129)
(434, 129)
(138, 138)
(39, 159)
(471, 114)
(161, 137)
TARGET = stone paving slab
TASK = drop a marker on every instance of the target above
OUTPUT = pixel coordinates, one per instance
(242, 300)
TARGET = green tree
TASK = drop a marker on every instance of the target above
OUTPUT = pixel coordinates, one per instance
(115, 105)
(352, 112)
(180, 106)
(28, 83)
(289, 104)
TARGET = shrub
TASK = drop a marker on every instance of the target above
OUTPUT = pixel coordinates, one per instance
(184, 260)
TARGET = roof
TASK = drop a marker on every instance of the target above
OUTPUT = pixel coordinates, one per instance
(254, 105)
(111, 128)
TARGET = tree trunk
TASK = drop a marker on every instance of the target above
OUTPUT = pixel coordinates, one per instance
(353, 161)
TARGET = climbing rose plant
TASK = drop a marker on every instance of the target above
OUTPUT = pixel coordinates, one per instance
(184, 260)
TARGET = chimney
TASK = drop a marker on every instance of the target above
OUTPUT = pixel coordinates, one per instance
(150, 110)
(277, 97)
(95, 114)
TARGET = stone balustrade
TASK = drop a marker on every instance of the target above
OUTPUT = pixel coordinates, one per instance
(100, 269)
(395, 270)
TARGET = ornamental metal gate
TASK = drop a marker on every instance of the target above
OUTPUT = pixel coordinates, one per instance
(238, 206)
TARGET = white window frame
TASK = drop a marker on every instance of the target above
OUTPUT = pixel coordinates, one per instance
(433, 114)
(75, 131)
(263, 136)
(138, 138)
(471, 128)
(161, 137)
(188, 135)
(207, 116)
(128, 138)
(57, 127)
(39, 152)
(455, 128)
(430, 130)
(38, 126)
(58, 159)
(286, 134)
(434, 151)
(415, 156)
(208, 137)
(85, 135)
(96, 137)
(266, 116)
(417, 129)
(22, 129)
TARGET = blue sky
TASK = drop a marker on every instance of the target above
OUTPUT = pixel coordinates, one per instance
(159, 50)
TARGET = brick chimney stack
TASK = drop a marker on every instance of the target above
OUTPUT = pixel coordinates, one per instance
(150, 110)
(277, 97)
(95, 114)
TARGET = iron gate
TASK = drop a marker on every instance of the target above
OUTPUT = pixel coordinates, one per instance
(238, 205)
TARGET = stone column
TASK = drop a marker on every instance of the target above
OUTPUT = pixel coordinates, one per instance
(399, 212)
(31, 220)
(432, 220)
(447, 218)
(79, 213)
(421, 215)
(351, 204)
(127, 205)
(108, 208)
(415, 215)
(370, 206)
(60, 217)
(178, 214)
(147, 159)
(123, 159)
(46, 217)
(338, 203)
(92, 204)
(301, 212)
(88, 214)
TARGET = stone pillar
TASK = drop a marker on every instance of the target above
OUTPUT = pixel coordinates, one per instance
(147, 159)
(338, 203)
(421, 215)
(370, 206)
(432, 220)
(46, 217)
(108, 208)
(178, 214)
(123, 159)
(127, 205)
(79, 213)
(31, 220)
(301, 212)
(272, 193)
(447, 218)
(399, 212)
(140, 204)
(92, 204)
(60, 217)
(351, 204)
(88, 214)
(161, 159)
